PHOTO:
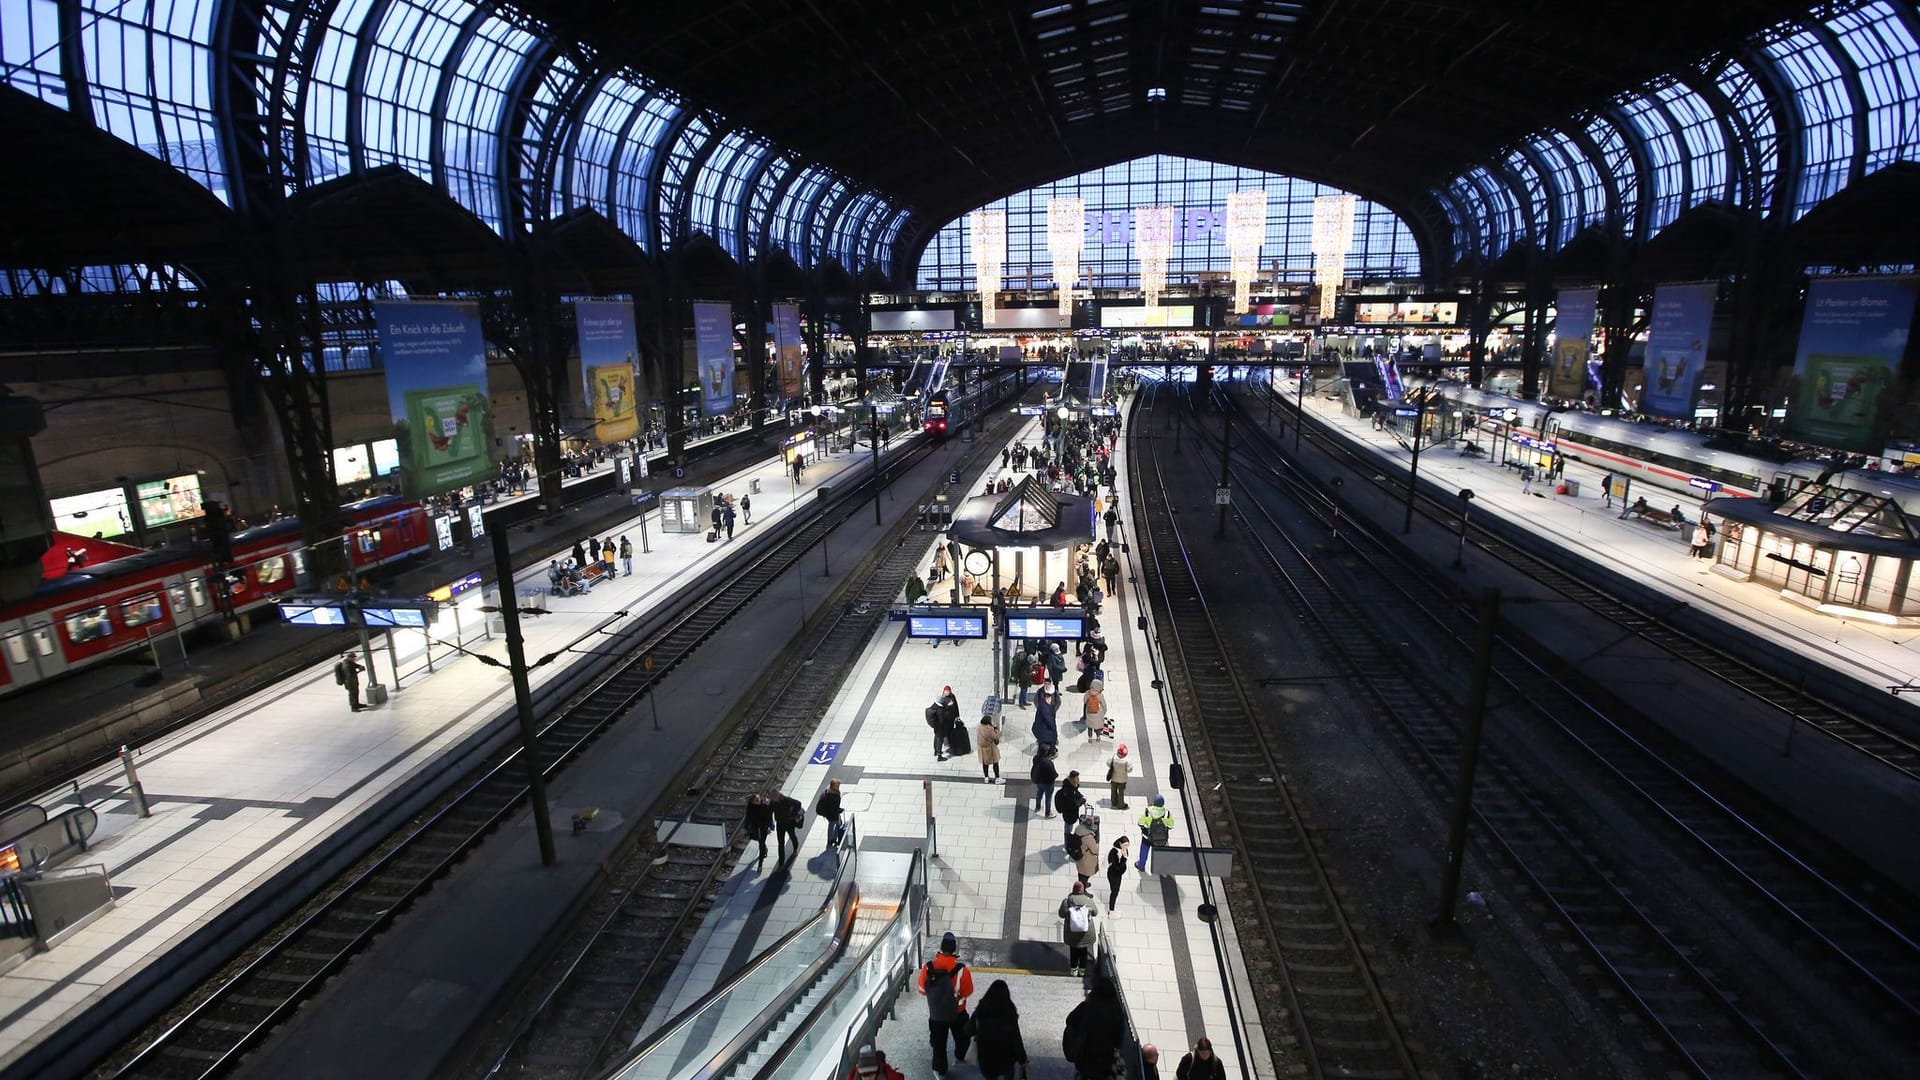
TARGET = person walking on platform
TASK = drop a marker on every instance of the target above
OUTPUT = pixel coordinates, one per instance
(1149, 1062)
(1155, 826)
(1046, 723)
(1118, 770)
(746, 509)
(1116, 870)
(788, 816)
(946, 984)
(1202, 1064)
(941, 716)
(1526, 479)
(347, 674)
(1083, 845)
(988, 740)
(1067, 802)
(829, 807)
(1094, 1030)
(726, 517)
(1702, 538)
(1110, 570)
(626, 555)
(1056, 665)
(941, 564)
(759, 822)
(1043, 774)
(995, 1027)
(1112, 519)
(719, 519)
(1606, 489)
(607, 553)
(1095, 713)
(1077, 913)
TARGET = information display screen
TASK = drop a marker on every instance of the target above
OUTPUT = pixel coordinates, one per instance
(413, 618)
(313, 615)
(1054, 626)
(947, 625)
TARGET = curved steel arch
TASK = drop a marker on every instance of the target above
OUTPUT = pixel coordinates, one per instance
(1788, 132)
(657, 170)
(443, 91)
(1681, 156)
(778, 197)
(1635, 143)
(1611, 211)
(743, 215)
(1856, 95)
(1540, 233)
(567, 157)
(684, 225)
(636, 113)
(1743, 176)
(812, 223)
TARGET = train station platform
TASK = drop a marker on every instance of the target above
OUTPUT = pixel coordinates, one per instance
(1874, 655)
(999, 870)
(288, 786)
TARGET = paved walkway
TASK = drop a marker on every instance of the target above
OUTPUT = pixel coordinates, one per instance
(263, 789)
(1000, 870)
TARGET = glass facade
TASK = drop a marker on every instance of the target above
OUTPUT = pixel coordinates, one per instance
(1382, 245)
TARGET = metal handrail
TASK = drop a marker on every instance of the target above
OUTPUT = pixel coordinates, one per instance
(845, 895)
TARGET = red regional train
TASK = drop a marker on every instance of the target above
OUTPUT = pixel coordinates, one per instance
(92, 612)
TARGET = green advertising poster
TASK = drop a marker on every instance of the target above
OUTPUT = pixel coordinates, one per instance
(1851, 343)
(436, 368)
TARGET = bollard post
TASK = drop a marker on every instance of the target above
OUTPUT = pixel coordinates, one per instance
(133, 782)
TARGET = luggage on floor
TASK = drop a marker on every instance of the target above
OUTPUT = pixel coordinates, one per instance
(713, 536)
(958, 741)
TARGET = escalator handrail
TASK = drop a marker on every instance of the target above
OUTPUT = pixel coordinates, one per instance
(911, 902)
(844, 894)
(1108, 964)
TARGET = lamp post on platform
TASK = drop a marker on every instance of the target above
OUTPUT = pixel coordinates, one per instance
(1460, 553)
(1413, 473)
(522, 694)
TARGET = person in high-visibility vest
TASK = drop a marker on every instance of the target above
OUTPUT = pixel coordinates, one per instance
(1155, 827)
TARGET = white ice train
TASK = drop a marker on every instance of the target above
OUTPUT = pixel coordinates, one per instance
(1678, 460)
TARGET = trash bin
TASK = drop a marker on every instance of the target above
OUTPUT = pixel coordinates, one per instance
(1569, 486)
(753, 485)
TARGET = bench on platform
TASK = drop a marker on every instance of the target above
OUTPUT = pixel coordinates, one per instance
(1662, 518)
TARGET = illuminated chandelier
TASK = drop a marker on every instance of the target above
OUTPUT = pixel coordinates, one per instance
(1066, 231)
(987, 234)
(1246, 231)
(1153, 245)
(1332, 238)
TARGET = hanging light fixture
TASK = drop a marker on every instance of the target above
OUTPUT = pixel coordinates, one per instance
(1246, 231)
(1153, 245)
(1066, 231)
(1332, 238)
(987, 237)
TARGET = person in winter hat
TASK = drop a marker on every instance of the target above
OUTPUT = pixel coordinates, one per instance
(946, 983)
(1119, 768)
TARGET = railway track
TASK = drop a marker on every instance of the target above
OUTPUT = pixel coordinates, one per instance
(1661, 975)
(1771, 689)
(211, 1038)
(598, 1004)
(1343, 1024)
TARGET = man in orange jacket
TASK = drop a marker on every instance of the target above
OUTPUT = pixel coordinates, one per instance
(946, 984)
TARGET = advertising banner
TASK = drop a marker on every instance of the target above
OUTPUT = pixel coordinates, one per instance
(713, 353)
(609, 383)
(1572, 342)
(786, 346)
(1676, 359)
(1029, 318)
(436, 366)
(918, 319)
(1851, 342)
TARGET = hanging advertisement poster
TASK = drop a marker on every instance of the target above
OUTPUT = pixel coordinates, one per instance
(1676, 359)
(608, 350)
(1572, 334)
(786, 346)
(713, 356)
(1851, 342)
(436, 367)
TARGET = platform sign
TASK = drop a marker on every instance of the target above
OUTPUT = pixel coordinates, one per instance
(947, 623)
(408, 618)
(455, 588)
(1033, 410)
(1072, 627)
(824, 753)
(1223, 496)
(309, 613)
(436, 369)
(1407, 413)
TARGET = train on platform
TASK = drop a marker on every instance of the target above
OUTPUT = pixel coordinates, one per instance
(1677, 460)
(948, 411)
(92, 613)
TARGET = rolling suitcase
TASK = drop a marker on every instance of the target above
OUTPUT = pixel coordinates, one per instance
(713, 536)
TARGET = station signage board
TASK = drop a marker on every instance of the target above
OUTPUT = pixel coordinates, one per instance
(947, 623)
(313, 613)
(1072, 627)
(411, 618)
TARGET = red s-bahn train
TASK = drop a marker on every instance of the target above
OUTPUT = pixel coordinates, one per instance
(89, 613)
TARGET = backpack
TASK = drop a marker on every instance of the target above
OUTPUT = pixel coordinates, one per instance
(1078, 921)
(1073, 845)
(933, 716)
(1157, 831)
(941, 1002)
(340, 673)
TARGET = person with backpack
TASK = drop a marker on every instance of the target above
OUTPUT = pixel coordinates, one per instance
(1201, 1064)
(1055, 664)
(829, 807)
(788, 816)
(746, 509)
(1094, 1031)
(1067, 804)
(1155, 827)
(626, 555)
(871, 1064)
(1095, 713)
(1043, 774)
(946, 984)
(347, 673)
(1083, 844)
(1030, 673)
(995, 1028)
(1077, 913)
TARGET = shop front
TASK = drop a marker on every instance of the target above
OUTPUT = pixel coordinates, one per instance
(1844, 553)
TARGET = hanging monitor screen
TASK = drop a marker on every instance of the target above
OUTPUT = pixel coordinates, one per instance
(413, 618)
(102, 513)
(1056, 626)
(947, 624)
(163, 502)
(313, 614)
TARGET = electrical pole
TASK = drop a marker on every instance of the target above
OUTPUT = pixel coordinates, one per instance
(522, 695)
(1469, 759)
